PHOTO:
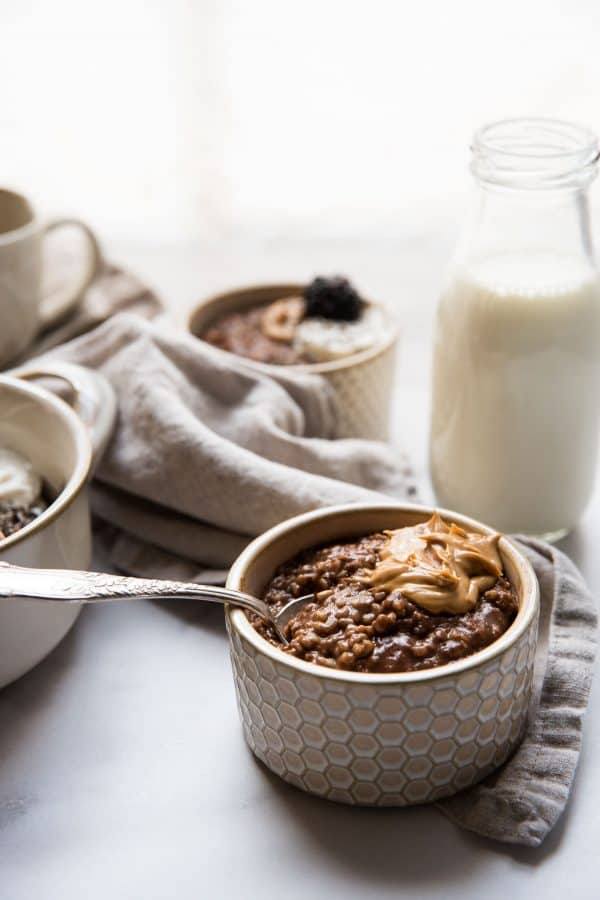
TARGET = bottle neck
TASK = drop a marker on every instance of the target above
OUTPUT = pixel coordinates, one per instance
(531, 202)
(509, 220)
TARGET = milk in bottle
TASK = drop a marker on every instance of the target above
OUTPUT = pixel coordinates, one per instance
(516, 382)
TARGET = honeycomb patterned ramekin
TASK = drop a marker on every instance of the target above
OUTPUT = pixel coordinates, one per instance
(362, 383)
(379, 740)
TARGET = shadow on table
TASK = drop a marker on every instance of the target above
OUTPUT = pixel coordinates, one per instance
(33, 690)
(378, 847)
(22, 707)
(24, 704)
(208, 616)
(415, 846)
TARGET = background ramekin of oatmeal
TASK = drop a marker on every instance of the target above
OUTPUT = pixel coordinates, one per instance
(362, 382)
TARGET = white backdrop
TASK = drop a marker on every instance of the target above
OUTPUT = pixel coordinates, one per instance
(163, 121)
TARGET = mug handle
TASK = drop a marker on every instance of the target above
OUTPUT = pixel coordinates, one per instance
(94, 399)
(57, 305)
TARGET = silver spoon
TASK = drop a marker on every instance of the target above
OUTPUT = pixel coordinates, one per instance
(73, 586)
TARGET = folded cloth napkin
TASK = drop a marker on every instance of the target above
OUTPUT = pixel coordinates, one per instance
(208, 453)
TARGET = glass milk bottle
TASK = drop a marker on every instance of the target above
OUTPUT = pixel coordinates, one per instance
(516, 399)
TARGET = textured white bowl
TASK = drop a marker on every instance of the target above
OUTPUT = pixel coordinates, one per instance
(362, 383)
(370, 739)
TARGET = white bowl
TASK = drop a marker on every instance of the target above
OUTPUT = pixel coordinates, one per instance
(379, 739)
(47, 431)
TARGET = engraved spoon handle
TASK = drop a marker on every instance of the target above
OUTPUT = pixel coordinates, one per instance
(73, 586)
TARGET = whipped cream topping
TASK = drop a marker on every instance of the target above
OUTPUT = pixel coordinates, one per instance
(322, 340)
(20, 484)
(440, 567)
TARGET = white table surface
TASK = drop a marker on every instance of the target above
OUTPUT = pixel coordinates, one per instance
(123, 772)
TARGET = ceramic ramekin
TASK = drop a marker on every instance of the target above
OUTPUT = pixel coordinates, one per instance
(379, 740)
(362, 383)
(62, 448)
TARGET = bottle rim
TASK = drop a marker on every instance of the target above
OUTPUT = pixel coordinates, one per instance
(534, 153)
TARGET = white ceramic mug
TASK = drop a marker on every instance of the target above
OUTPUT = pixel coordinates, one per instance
(63, 444)
(23, 310)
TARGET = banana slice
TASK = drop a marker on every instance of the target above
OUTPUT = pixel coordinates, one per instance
(280, 318)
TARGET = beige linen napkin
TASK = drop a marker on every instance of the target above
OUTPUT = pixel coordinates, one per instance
(208, 453)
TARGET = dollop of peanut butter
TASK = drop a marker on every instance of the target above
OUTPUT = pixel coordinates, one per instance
(440, 567)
